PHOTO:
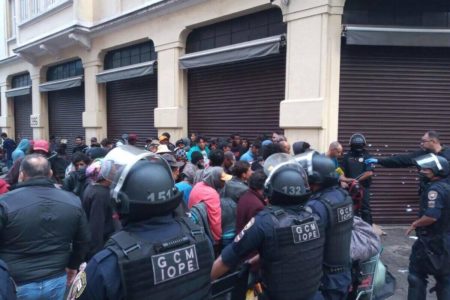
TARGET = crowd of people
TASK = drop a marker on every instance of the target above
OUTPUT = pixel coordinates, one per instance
(161, 220)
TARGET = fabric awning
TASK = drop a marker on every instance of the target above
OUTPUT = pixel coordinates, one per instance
(63, 84)
(20, 91)
(132, 71)
(397, 36)
(232, 53)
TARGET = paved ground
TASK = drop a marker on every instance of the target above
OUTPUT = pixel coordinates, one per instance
(397, 248)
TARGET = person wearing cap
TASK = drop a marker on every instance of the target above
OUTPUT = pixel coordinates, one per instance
(165, 139)
(162, 149)
(174, 165)
(207, 191)
(37, 146)
(430, 253)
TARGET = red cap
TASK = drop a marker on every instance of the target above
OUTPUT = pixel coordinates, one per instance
(40, 145)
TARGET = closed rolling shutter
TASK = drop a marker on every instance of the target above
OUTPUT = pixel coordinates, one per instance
(131, 104)
(65, 108)
(241, 97)
(22, 112)
(393, 95)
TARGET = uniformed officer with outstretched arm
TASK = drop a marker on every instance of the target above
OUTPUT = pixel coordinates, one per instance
(430, 253)
(335, 208)
(287, 236)
(157, 255)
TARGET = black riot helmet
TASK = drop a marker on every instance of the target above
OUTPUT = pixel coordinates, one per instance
(319, 168)
(287, 182)
(438, 164)
(142, 183)
(357, 140)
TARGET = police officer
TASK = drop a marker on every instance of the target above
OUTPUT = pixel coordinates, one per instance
(430, 253)
(355, 169)
(335, 208)
(157, 255)
(287, 236)
(429, 143)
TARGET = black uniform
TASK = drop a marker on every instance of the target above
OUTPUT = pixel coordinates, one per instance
(353, 164)
(335, 207)
(430, 253)
(407, 160)
(290, 241)
(162, 258)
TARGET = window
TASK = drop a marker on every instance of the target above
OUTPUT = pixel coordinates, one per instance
(21, 80)
(32, 8)
(66, 70)
(130, 55)
(242, 29)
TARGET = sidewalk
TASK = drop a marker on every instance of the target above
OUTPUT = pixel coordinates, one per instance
(397, 248)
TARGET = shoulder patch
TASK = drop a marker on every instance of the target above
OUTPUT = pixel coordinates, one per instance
(78, 286)
(246, 227)
(432, 195)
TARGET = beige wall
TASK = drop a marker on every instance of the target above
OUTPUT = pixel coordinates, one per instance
(309, 111)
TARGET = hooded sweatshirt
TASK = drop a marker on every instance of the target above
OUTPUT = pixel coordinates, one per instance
(21, 149)
(207, 191)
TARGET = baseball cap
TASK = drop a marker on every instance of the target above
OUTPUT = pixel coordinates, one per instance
(41, 145)
(163, 149)
(163, 138)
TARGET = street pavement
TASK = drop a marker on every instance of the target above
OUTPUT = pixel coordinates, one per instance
(396, 250)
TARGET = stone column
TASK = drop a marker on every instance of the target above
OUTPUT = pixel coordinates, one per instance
(94, 116)
(310, 110)
(171, 113)
(7, 110)
(39, 117)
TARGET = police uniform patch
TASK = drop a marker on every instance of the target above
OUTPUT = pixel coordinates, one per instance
(305, 232)
(78, 286)
(345, 213)
(246, 227)
(432, 195)
(173, 264)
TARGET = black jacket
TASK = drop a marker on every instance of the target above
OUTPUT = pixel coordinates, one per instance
(43, 230)
(407, 160)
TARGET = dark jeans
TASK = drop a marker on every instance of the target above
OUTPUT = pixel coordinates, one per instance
(419, 270)
(366, 211)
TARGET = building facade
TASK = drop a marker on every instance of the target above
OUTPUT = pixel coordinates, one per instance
(318, 70)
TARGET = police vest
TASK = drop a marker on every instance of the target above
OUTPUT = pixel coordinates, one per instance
(355, 165)
(339, 231)
(296, 270)
(173, 269)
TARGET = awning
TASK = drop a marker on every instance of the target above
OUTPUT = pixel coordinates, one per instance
(397, 36)
(232, 53)
(20, 91)
(132, 71)
(61, 84)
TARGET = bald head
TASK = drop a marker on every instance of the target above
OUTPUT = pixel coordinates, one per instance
(33, 166)
(335, 150)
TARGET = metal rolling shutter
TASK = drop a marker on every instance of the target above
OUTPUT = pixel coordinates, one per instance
(65, 108)
(22, 112)
(393, 95)
(131, 104)
(241, 97)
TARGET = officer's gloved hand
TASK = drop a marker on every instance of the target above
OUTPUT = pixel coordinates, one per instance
(371, 161)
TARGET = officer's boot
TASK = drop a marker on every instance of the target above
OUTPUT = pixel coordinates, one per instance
(417, 289)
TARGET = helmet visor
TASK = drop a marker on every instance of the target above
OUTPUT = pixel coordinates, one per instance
(278, 161)
(428, 161)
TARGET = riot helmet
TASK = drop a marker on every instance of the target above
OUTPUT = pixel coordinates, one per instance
(142, 185)
(357, 142)
(437, 164)
(319, 168)
(286, 182)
